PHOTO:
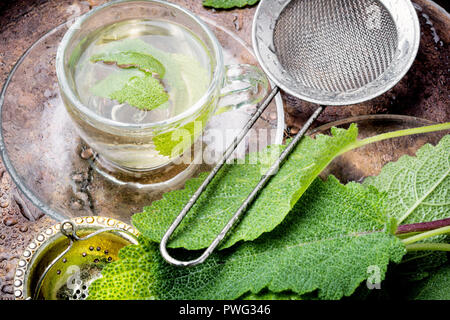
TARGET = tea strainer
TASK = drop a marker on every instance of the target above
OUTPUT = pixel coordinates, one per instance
(329, 52)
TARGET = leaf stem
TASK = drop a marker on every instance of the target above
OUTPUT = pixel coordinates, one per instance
(406, 235)
(426, 235)
(405, 132)
(428, 247)
(422, 226)
(396, 134)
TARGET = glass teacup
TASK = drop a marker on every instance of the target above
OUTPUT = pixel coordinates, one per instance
(158, 141)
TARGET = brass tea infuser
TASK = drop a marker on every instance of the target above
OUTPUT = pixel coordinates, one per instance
(62, 261)
(328, 52)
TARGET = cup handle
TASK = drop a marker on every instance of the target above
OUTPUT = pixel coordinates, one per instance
(243, 85)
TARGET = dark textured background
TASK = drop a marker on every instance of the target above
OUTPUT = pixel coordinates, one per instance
(424, 93)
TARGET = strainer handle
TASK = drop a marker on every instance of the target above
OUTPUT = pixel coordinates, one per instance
(273, 169)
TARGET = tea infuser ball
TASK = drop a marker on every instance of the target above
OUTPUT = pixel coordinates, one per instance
(63, 260)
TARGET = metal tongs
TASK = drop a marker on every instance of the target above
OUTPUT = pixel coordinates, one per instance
(325, 52)
(265, 178)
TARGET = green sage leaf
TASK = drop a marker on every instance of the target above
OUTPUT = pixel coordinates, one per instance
(329, 243)
(233, 184)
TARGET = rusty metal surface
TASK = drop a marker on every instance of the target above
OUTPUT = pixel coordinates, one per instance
(423, 93)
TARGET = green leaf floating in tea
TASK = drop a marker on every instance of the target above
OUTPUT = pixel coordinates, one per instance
(142, 92)
(180, 70)
(115, 82)
(129, 59)
(138, 89)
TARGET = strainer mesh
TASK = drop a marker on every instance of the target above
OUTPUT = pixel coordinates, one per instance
(335, 45)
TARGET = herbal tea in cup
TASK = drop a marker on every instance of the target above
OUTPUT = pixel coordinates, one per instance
(141, 79)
